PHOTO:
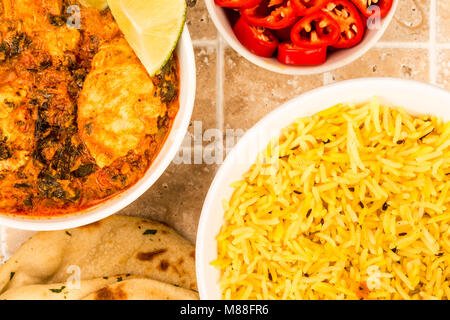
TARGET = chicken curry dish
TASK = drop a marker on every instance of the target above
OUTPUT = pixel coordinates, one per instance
(80, 118)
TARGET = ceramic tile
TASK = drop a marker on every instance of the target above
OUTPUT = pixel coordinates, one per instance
(198, 21)
(401, 63)
(410, 23)
(443, 21)
(250, 92)
(443, 77)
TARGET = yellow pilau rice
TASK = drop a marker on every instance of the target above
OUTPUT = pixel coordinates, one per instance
(351, 203)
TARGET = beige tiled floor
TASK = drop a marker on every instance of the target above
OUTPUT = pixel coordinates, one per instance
(233, 93)
(443, 21)
(247, 101)
(199, 23)
(411, 22)
(444, 70)
(395, 62)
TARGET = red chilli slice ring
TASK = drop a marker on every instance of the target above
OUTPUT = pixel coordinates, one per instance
(316, 30)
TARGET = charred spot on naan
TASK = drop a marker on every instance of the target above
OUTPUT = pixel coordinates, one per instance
(149, 256)
(164, 265)
(107, 293)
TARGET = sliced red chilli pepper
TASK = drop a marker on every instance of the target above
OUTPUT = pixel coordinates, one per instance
(272, 14)
(306, 7)
(316, 30)
(238, 4)
(289, 53)
(258, 40)
(232, 15)
(283, 34)
(349, 20)
(365, 6)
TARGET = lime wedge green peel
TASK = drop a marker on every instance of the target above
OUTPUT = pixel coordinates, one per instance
(151, 27)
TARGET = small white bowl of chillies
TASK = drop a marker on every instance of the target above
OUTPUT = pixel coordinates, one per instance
(301, 36)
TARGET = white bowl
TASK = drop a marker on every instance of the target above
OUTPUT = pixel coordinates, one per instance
(415, 97)
(173, 142)
(335, 60)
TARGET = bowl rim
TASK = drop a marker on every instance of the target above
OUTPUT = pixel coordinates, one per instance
(272, 64)
(185, 52)
(203, 267)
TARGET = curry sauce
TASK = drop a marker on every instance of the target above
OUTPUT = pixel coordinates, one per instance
(55, 141)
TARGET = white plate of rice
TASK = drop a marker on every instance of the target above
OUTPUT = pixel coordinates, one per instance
(352, 203)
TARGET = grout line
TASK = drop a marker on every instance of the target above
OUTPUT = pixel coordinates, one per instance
(433, 51)
(327, 78)
(443, 46)
(220, 65)
(225, 44)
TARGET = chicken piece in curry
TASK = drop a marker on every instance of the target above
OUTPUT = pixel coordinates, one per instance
(80, 118)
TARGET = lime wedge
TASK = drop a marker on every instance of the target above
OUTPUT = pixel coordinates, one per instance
(151, 27)
(97, 4)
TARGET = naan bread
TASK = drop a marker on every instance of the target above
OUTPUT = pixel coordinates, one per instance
(116, 245)
(112, 288)
(57, 291)
(142, 289)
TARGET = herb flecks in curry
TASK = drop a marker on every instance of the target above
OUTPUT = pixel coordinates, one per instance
(51, 162)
